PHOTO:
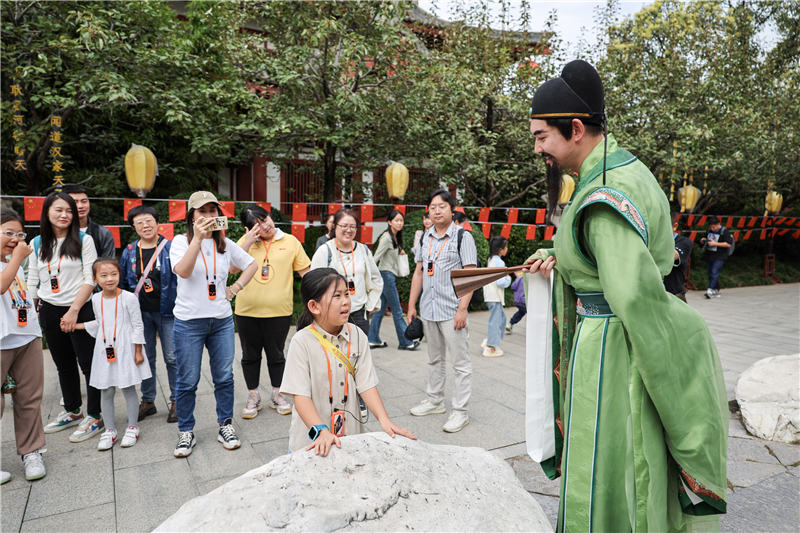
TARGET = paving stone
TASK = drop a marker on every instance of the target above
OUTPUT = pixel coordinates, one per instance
(737, 429)
(269, 450)
(156, 443)
(772, 505)
(752, 450)
(151, 493)
(787, 454)
(13, 502)
(98, 517)
(549, 505)
(533, 477)
(210, 460)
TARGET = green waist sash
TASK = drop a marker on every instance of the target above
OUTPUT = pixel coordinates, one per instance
(592, 304)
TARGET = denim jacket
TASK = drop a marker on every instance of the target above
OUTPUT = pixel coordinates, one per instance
(169, 282)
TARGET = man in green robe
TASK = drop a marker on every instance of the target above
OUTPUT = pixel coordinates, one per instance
(641, 415)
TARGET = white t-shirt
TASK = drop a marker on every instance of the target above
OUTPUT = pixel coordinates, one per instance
(367, 277)
(192, 301)
(74, 273)
(11, 334)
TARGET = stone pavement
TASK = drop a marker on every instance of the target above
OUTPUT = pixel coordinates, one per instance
(135, 489)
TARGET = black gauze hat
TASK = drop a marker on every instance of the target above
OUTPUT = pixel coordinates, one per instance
(578, 93)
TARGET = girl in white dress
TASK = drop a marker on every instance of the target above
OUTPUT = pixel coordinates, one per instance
(118, 356)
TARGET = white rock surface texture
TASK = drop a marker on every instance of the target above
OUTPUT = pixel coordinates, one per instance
(373, 483)
(769, 397)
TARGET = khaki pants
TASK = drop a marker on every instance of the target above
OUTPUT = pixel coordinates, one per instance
(26, 366)
(443, 339)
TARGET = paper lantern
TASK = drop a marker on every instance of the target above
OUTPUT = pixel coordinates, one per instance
(773, 202)
(141, 169)
(567, 186)
(396, 180)
(687, 197)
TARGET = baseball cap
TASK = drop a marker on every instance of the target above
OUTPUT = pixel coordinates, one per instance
(201, 198)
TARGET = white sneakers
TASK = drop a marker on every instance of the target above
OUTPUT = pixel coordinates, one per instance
(253, 406)
(88, 428)
(426, 408)
(130, 437)
(456, 422)
(4, 477)
(64, 420)
(279, 403)
(107, 440)
(34, 466)
(491, 351)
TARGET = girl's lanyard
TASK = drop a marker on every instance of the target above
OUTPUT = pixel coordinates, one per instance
(328, 360)
(212, 287)
(19, 301)
(351, 282)
(265, 262)
(430, 261)
(148, 283)
(54, 285)
(111, 355)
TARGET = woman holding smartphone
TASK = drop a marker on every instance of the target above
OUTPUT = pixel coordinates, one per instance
(60, 278)
(202, 259)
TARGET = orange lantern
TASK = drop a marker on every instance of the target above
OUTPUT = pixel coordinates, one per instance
(141, 169)
(397, 180)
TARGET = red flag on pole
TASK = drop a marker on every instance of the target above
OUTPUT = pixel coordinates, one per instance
(689, 221)
(742, 220)
(228, 209)
(513, 214)
(783, 232)
(366, 234)
(299, 231)
(298, 215)
(129, 204)
(763, 234)
(266, 206)
(747, 235)
(702, 221)
(548, 233)
(505, 231)
(483, 215)
(693, 236)
(729, 223)
(540, 216)
(530, 233)
(33, 208)
(752, 222)
(366, 212)
(467, 225)
(177, 210)
(401, 208)
(487, 229)
(736, 235)
(115, 233)
(332, 208)
(167, 230)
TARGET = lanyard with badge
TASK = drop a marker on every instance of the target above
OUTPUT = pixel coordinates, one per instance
(351, 282)
(148, 283)
(111, 352)
(19, 301)
(265, 270)
(55, 288)
(431, 260)
(212, 286)
(337, 416)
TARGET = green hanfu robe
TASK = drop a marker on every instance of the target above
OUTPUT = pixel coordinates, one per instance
(641, 415)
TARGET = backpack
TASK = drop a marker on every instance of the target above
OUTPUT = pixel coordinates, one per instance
(733, 241)
(330, 254)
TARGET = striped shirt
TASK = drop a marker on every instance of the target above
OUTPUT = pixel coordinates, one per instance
(438, 301)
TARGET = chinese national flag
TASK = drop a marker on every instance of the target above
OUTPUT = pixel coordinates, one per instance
(747, 235)
(540, 216)
(266, 206)
(702, 221)
(228, 209)
(401, 208)
(763, 234)
(167, 230)
(729, 223)
(366, 213)
(115, 233)
(487, 229)
(467, 226)
(513, 214)
(548, 233)
(689, 221)
(736, 235)
(530, 233)
(742, 220)
(752, 222)
(299, 231)
(505, 231)
(129, 204)
(298, 215)
(177, 210)
(33, 208)
(783, 232)
(333, 208)
(366, 234)
(693, 236)
(796, 234)
(483, 216)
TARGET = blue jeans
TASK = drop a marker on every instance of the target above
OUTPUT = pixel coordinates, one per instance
(497, 324)
(389, 297)
(522, 310)
(155, 323)
(714, 267)
(217, 335)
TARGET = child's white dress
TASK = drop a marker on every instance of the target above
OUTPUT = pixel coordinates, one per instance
(123, 372)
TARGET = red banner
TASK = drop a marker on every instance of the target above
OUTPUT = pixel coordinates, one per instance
(401, 208)
(747, 235)
(115, 233)
(752, 222)
(693, 236)
(487, 229)
(742, 220)
(483, 215)
(736, 235)
(299, 231)
(366, 212)
(177, 210)
(540, 216)
(298, 215)
(513, 214)
(530, 233)
(366, 234)
(266, 206)
(783, 232)
(228, 209)
(467, 225)
(167, 230)
(505, 231)
(689, 221)
(129, 204)
(33, 208)
(333, 208)
(796, 234)
(702, 221)
(763, 234)
(548, 233)
(729, 223)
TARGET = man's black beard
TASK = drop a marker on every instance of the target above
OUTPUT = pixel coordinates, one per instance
(553, 177)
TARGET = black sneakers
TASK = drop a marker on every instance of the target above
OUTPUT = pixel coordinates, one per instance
(227, 435)
(186, 442)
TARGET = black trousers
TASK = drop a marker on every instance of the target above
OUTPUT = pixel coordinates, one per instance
(268, 334)
(359, 318)
(70, 350)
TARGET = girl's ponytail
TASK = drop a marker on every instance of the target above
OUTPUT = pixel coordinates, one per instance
(313, 287)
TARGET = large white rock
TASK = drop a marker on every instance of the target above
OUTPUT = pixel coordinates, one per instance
(373, 483)
(769, 397)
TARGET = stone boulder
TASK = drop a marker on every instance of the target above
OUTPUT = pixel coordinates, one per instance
(373, 483)
(768, 394)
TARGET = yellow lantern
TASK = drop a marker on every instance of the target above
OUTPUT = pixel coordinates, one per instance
(773, 202)
(567, 186)
(141, 169)
(396, 180)
(687, 197)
